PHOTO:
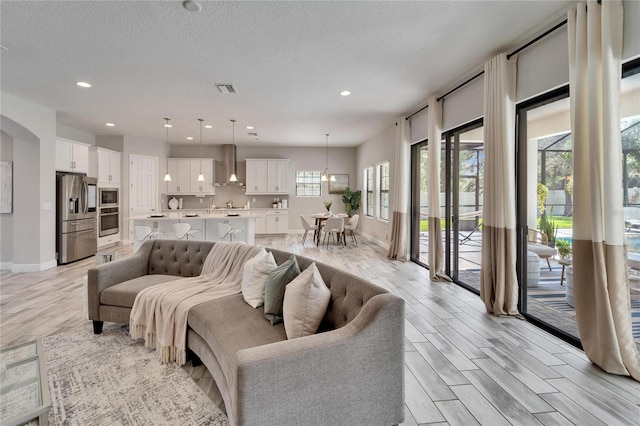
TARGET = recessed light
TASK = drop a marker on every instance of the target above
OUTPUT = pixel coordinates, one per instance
(189, 138)
(249, 127)
(83, 84)
(208, 126)
(109, 124)
(191, 5)
(168, 125)
(345, 93)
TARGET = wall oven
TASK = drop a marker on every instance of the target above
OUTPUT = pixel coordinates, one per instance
(109, 197)
(109, 221)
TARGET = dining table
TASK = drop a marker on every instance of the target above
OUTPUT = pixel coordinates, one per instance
(321, 217)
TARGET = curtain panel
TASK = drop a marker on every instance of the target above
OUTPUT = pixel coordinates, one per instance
(498, 280)
(436, 248)
(601, 285)
(398, 246)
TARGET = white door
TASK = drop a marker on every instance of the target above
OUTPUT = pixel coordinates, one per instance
(143, 196)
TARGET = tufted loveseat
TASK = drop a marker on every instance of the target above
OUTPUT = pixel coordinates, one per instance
(350, 372)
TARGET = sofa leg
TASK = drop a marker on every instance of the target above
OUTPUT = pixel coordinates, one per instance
(195, 359)
(97, 327)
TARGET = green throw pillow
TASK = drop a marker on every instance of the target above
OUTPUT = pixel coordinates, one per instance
(278, 278)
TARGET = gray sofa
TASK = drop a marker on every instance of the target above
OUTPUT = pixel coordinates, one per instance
(350, 372)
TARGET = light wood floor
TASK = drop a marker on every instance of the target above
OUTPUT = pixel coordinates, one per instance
(463, 367)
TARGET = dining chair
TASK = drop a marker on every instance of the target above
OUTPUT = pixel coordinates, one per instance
(143, 232)
(183, 230)
(351, 227)
(225, 230)
(307, 227)
(334, 225)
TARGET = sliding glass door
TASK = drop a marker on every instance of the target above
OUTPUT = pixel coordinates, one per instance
(420, 200)
(420, 203)
(545, 209)
(465, 177)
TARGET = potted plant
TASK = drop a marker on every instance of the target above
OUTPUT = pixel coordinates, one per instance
(564, 248)
(351, 200)
(327, 205)
(549, 227)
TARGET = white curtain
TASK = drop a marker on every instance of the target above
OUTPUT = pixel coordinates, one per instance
(498, 281)
(398, 247)
(601, 286)
(436, 249)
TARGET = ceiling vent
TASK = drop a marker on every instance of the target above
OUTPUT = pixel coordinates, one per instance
(252, 134)
(226, 88)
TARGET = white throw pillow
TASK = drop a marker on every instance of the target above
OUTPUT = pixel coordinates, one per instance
(254, 277)
(306, 299)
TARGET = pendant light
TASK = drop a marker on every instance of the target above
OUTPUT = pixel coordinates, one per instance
(167, 177)
(200, 176)
(325, 174)
(233, 177)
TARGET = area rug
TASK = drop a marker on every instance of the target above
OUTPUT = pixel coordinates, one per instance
(110, 379)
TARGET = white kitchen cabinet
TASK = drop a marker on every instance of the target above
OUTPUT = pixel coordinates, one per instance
(105, 165)
(72, 156)
(277, 222)
(267, 176)
(277, 176)
(257, 172)
(261, 222)
(184, 176)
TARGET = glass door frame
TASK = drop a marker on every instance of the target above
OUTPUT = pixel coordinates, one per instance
(452, 200)
(521, 208)
(415, 202)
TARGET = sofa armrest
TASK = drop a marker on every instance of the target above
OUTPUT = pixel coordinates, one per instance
(352, 375)
(112, 273)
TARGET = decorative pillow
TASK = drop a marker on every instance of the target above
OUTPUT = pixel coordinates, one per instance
(254, 277)
(278, 278)
(305, 302)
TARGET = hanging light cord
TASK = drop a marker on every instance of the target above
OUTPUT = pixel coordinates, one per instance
(200, 120)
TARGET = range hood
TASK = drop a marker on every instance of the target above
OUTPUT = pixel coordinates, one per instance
(227, 167)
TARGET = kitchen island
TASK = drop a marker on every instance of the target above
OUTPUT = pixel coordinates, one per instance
(207, 223)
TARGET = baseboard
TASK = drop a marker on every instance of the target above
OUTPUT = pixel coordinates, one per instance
(381, 243)
(5, 266)
(33, 267)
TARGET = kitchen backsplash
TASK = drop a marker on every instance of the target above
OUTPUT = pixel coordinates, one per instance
(223, 194)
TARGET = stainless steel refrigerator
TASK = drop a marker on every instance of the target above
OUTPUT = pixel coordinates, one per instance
(76, 217)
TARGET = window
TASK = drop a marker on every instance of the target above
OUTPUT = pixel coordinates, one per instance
(308, 183)
(383, 191)
(368, 192)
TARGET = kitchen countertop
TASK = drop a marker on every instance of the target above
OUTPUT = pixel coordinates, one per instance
(183, 216)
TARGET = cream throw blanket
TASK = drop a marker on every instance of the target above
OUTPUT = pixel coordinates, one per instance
(159, 313)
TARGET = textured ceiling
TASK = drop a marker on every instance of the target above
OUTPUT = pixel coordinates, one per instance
(288, 61)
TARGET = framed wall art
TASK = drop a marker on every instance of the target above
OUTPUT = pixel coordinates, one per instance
(338, 185)
(6, 186)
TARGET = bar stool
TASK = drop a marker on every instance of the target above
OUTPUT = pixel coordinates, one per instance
(182, 230)
(225, 230)
(144, 232)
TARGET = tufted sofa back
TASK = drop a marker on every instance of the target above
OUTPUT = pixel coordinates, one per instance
(349, 293)
(177, 257)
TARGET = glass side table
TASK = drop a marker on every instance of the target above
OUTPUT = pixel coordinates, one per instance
(24, 391)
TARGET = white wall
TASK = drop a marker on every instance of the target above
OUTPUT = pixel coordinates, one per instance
(377, 149)
(67, 132)
(34, 168)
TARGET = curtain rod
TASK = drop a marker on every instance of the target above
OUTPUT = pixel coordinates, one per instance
(421, 109)
(464, 83)
(541, 36)
(518, 50)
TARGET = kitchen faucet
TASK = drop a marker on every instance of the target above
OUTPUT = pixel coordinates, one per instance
(230, 204)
